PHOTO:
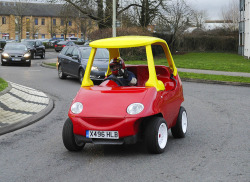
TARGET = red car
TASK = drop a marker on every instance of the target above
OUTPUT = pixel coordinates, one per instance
(112, 114)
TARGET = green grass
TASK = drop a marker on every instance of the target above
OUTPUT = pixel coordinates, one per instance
(206, 61)
(215, 77)
(3, 84)
(51, 64)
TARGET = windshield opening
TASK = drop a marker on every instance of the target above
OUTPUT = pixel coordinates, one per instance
(100, 53)
(15, 47)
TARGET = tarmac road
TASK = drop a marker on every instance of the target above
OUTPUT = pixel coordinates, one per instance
(216, 148)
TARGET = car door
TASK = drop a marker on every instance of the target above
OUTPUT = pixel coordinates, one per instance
(62, 58)
(75, 62)
(68, 60)
(38, 46)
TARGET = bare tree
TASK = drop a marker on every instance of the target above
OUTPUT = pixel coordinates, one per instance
(199, 18)
(176, 15)
(231, 15)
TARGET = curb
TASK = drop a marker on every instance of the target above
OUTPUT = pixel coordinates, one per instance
(47, 66)
(6, 89)
(216, 82)
(30, 120)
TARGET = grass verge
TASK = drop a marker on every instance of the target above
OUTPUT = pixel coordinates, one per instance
(3, 84)
(206, 61)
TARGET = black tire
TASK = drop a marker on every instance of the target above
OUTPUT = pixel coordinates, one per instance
(43, 55)
(56, 50)
(180, 129)
(69, 138)
(4, 64)
(81, 75)
(61, 75)
(32, 55)
(155, 140)
(28, 63)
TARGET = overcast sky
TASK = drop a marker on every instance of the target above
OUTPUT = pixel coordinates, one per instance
(213, 7)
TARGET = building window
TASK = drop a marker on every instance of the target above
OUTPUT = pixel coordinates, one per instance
(36, 21)
(70, 23)
(54, 21)
(3, 20)
(62, 36)
(43, 21)
(62, 22)
(43, 36)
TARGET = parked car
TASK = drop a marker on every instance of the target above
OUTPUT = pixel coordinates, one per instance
(60, 45)
(15, 53)
(73, 39)
(2, 43)
(72, 61)
(36, 48)
(113, 114)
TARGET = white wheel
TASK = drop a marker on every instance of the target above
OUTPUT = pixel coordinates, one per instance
(162, 136)
(156, 135)
(180, 128)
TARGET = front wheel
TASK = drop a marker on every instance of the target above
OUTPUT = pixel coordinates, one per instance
(61, 75)
(156, 135)
(180, 129)
(69, 137)
(43, 55)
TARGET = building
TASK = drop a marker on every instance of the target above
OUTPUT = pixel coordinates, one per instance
(38, 20)
(244, 29)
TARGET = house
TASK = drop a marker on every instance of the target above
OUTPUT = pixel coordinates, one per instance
(244, 29)
(20, 20)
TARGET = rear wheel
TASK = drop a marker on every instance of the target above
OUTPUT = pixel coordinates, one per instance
(81, 75)
(69, 139)
(61, 75)
(156, 135)
(43, 55)
(180, 129)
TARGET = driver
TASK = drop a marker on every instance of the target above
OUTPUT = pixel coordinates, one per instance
(117, 66)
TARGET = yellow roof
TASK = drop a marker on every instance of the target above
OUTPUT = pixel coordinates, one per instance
(125, 42)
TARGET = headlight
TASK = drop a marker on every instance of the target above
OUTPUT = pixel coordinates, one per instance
(26, 55)
(5, 55)
(77, 108)
(94, 68)
(135, 108)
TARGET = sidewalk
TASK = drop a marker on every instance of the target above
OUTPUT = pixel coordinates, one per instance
(21, 106)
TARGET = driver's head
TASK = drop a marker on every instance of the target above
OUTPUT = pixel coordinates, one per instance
(117, 65)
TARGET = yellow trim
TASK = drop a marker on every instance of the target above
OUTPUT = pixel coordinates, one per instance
(125, 42)
(112, 54)
(114, 43)
(168, 56)
(152, 80)
(86, 82)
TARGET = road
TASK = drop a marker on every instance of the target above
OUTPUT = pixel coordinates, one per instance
(216, 148)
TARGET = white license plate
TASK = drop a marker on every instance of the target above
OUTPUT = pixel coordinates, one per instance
(102, 134)
(16, 59)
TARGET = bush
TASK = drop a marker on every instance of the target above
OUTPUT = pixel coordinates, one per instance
(48, 45)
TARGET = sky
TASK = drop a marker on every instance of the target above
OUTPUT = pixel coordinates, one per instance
(213, 7)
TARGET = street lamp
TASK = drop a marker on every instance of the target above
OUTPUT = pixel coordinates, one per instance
(114, 19)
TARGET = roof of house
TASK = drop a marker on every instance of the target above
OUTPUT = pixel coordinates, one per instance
(30, 9)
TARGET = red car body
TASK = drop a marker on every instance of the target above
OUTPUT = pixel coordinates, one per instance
(105, 109)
